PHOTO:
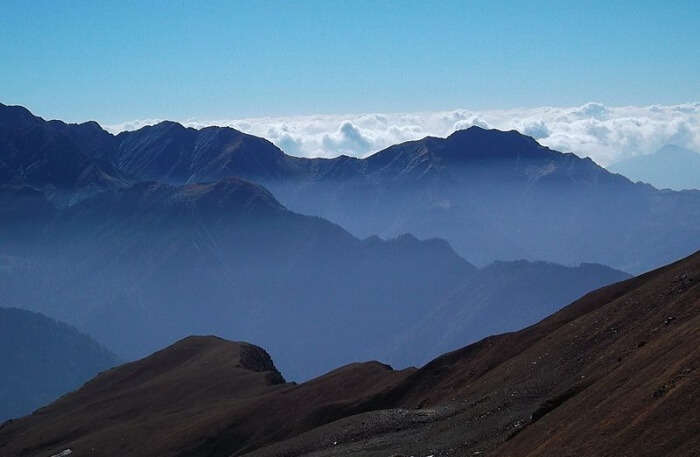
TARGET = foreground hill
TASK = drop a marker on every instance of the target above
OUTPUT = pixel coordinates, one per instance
(42, 359)
(614, 373)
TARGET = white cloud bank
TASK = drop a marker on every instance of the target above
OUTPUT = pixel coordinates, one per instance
(604, 133)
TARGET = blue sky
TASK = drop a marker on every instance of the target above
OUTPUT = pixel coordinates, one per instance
(116, 61)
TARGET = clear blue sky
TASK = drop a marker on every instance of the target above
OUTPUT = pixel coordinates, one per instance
(117, 61)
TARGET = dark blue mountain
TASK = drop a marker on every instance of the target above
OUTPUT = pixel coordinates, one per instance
(147, 264)
(62, 160)
(493, 195)
(174, 244)
(43, 359)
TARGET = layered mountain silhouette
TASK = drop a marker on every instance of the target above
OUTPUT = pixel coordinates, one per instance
(42, 359)
(613, 373)
(525, 292)
(158, 262)
(140, 264)
(492, 195)
(671, 167)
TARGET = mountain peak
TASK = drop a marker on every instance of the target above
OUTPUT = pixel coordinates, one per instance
(229, 192)
(16, 116)
(241, 354)
(472, 130)
(506, 141)
(432, 157)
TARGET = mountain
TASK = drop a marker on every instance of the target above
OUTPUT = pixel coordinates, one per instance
(493, 195)
(57, 158)
(156, 262)
(501, 297)
(201, 389)
(614, 373)
(170, 153)
(144, 263)
(671, 167)
(500, 196)
(43, 359)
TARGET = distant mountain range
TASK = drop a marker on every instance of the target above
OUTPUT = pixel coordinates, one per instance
(492, 195)
(614, 373)
(154, 234)
(671, 167)
(53, 156)
(142, 238)
(523, 291)
(42, 359)
(157, 262)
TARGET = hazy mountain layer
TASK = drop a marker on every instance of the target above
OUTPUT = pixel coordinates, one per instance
(145, 265)
(493, 195)
(501, 297)
(142, 265)
(671, 167)
(42, 359)
(614, 373)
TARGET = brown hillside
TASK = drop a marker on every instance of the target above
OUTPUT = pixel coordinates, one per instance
(614, 373)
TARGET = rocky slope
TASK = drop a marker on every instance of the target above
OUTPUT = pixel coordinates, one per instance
(614, 373)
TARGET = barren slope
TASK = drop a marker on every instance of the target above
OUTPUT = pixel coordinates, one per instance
(614, 373)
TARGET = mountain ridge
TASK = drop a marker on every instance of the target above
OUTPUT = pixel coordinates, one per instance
(625, 352)
(493, 195)
(42, 359)
(670, 167)
(161, 261)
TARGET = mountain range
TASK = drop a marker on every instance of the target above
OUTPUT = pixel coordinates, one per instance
(142, 238)
(613, 373)
(671, 167)
(157, 262)
(134, 240)
(492, 195)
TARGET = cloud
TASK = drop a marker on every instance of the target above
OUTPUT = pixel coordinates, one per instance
(466, 123)
(604, 133)
(347, 140)
(592, 111)
(536, 129)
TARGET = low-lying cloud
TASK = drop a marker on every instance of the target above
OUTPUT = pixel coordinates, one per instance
(604, 133)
